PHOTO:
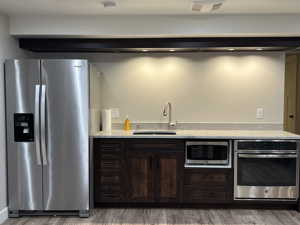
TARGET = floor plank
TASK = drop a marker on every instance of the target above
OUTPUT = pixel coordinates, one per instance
(149, 216)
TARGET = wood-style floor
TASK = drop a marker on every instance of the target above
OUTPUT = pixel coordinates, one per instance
(170, 216)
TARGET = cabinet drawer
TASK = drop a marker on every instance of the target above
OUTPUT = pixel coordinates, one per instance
(110, 164)
(111, 147)
(110, 155)
(205, 195)
(108, 192)
(110, 196)
(110, 179)
(110, 189)
(206, 178)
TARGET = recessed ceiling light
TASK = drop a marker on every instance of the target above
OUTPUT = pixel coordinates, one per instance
(145, 50)
(109, 4)
(259, 49)
(172, 50)
(231, 49)
(206, 6)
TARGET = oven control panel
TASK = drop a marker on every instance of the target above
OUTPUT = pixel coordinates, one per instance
(266, 145)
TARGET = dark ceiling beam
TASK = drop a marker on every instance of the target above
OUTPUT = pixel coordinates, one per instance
(100, 45)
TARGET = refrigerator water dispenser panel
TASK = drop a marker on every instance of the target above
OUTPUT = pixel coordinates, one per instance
(24, 127)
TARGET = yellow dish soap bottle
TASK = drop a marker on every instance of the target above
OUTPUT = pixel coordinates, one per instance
(127, 124)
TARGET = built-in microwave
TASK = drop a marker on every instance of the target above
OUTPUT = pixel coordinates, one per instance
(208, 154)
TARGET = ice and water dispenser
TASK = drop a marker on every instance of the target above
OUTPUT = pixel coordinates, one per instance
(24, 127)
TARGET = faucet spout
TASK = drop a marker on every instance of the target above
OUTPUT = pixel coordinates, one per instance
(168, 112)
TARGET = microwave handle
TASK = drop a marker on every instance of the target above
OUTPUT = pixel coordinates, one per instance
(266, 156)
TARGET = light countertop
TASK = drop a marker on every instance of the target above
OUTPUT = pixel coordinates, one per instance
(205, 134)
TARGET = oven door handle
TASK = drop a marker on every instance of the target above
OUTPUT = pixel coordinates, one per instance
(267, 156)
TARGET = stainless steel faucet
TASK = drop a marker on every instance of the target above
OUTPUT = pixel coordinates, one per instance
(167, 111)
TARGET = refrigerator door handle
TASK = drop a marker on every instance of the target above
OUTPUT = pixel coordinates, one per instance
(43, 125)
(37, 124)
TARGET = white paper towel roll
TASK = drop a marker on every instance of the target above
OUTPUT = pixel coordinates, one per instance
(106, 120)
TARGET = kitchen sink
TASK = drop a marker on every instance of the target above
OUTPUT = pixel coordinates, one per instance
(154, 132)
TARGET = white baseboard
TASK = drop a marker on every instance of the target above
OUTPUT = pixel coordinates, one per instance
(3, 215)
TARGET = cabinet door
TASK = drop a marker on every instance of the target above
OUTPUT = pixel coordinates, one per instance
(140, 176)
(169, 170)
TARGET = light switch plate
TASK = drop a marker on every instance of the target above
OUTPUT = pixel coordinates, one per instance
(115, 113)
(259, 113)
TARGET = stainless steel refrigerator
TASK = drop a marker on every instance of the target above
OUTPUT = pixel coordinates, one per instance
(47, 103)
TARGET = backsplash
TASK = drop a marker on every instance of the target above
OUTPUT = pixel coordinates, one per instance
(201, 126)
(218, 88)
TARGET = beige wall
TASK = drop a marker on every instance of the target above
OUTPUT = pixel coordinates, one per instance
(203, 87)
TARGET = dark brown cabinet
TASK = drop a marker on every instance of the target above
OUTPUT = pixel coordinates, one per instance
(154, 176)
(154, 170)
(138, 170)
(207, 185)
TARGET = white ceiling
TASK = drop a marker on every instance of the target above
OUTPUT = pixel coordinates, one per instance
(167, 7)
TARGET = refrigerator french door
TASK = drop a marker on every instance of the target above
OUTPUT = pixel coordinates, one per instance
(47, 104)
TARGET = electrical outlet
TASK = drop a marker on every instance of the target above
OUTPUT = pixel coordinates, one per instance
(115, 113)
(259, 113)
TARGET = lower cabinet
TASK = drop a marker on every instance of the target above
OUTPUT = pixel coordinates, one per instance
(207, 185)
(152, 171)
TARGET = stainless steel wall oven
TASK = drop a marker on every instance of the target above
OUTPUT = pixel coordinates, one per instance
(266, 169)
